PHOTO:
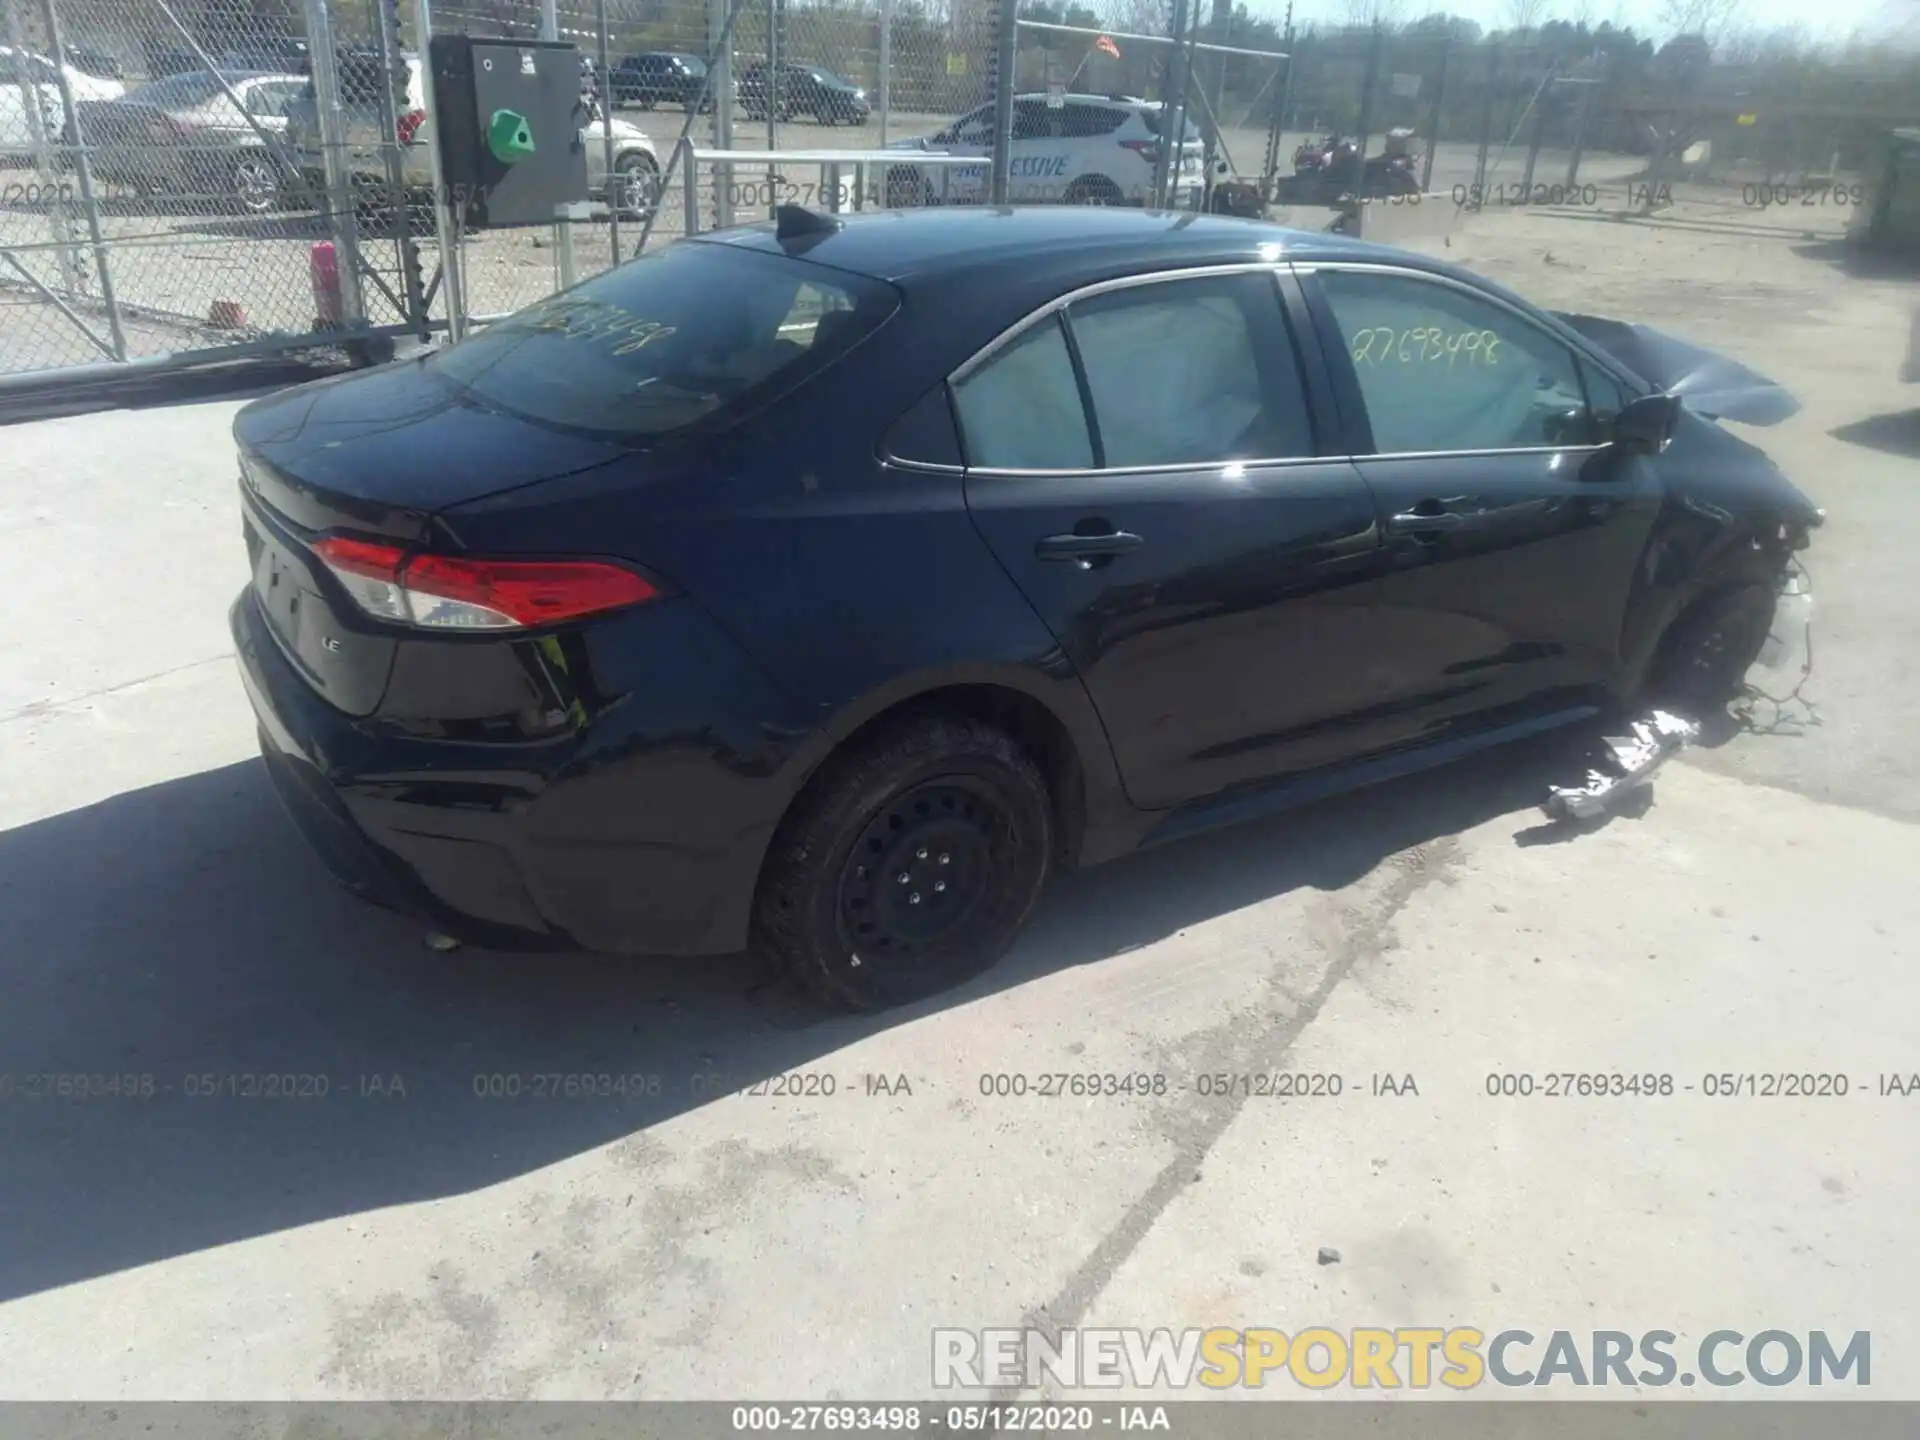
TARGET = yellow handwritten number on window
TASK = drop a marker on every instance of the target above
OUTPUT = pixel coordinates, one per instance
(1383, 345)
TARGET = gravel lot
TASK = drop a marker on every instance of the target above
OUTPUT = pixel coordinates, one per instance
(163, 918)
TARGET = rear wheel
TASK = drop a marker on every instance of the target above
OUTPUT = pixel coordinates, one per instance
(255, 183)
(907, 867)
(1707, 652)
(636, 185)
(1093, 190)
(906, 190)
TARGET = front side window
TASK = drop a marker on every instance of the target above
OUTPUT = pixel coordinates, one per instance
(1021, 410)
(1441, 369)
(1191, 371)
(687, 334)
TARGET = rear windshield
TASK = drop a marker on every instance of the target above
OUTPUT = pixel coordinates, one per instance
(1157, 126)
(688, 333)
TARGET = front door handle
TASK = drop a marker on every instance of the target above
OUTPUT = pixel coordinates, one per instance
(1087, 547)
(1433, 516)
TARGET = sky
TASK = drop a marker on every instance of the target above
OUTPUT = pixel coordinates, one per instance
(1832, 19)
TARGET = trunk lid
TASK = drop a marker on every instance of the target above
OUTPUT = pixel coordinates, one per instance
(377, 453)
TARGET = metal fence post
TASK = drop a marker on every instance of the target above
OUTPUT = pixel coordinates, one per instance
(386, 34)
(83, 174)
(886, 68)
(604, 84)
(333, 150)
(1006, 53)
(720, 68)
(1171, 96)
(1271, 173)
(1439, 114)
(445, 222)
(1370, 79)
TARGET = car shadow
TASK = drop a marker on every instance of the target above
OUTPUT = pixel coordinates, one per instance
(1896, 434)
(1855, 257)
(172, 950)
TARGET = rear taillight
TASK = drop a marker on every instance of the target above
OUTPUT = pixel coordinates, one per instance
(1147, 150)
(406, 126)
(444, 592)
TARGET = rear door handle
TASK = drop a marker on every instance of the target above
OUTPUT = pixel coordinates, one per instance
(1087, 547)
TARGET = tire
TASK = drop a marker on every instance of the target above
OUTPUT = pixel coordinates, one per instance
(254, 182)
(1706, 653)
(1093, 190)
(907, 190)
(636, 186)
(831, 908)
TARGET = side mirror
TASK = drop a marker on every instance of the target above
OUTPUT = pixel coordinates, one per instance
(1644, 426)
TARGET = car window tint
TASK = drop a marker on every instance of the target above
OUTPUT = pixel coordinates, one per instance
(689, 333)
(1085, 121)
(1440, 369)
(1021, 410)
(1031, 121)
(925, 434)
(1178, 374)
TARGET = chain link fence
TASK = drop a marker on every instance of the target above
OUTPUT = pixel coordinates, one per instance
(187, 176)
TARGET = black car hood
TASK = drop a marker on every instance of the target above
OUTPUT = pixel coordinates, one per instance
(1712, 385)
(401, 436)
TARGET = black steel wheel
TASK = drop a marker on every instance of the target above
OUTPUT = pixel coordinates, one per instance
(1706, 654)
(908, 866)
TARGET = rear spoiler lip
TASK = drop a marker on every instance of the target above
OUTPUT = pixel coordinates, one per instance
(1711, 384)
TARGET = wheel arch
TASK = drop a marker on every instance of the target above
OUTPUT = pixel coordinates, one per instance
(1051, 719)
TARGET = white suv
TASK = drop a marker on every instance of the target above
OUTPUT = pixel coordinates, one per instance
(1070, 149)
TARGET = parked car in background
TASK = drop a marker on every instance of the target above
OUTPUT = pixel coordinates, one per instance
(1086, 150)
(205, 135)
(286, 55)
(634, 185)
(659, 78)
(794, 90)
(25, 73)
(95, 62)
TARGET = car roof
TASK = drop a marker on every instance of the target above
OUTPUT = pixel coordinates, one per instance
(909, 246)
(1118, 102)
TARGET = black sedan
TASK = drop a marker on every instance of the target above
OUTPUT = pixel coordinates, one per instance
(821, 586)
(660, 79)
(790, 91)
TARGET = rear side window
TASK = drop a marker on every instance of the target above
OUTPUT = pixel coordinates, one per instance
(1021, 410)
(1192, 371)
(1031, 120)
(1085, 121)
(691, 333)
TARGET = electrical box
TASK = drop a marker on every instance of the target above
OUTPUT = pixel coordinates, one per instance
(509, 116)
